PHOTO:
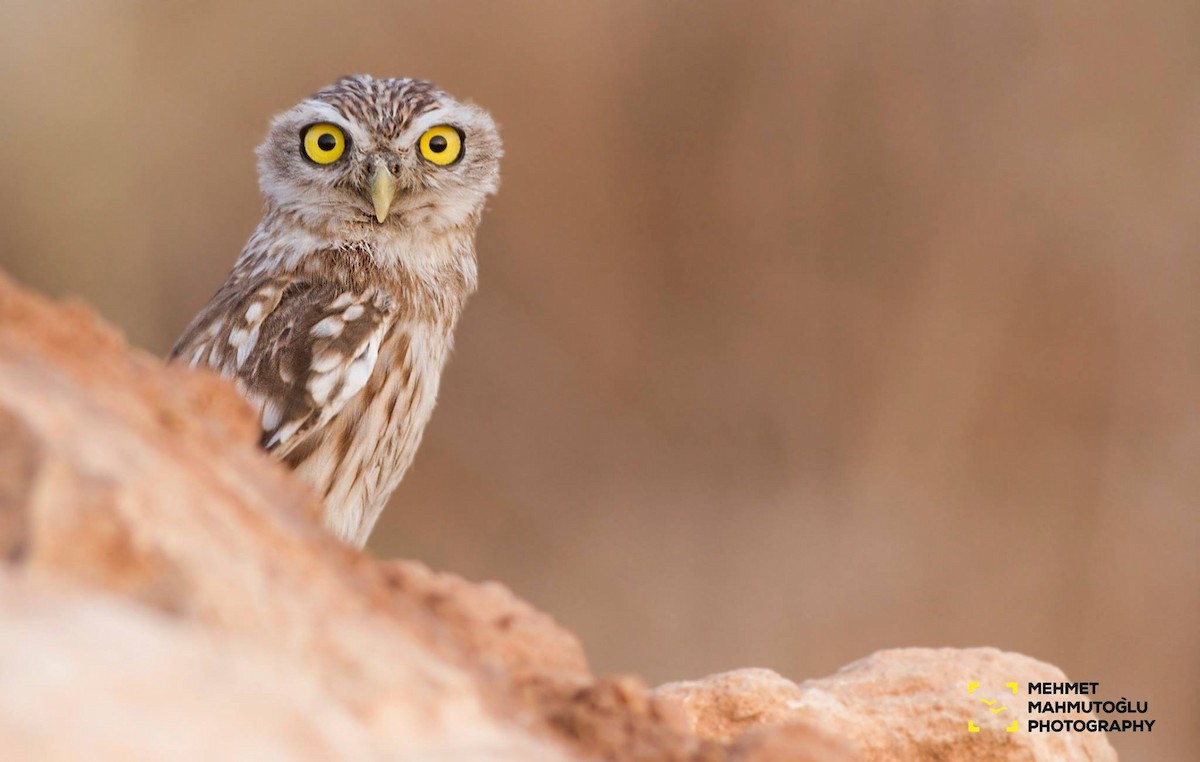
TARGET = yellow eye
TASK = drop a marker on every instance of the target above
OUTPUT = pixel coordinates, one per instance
(442, 145)
(324, 143)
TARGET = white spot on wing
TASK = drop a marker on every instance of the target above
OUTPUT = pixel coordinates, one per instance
(330, 326)
(326, 361)
(360, 370)
(249, 341)
(285, 433)
(344, 299)
(272, 415)
(320, 386)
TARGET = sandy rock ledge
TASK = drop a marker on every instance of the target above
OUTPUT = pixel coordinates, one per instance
(907, 704)
(167, 593)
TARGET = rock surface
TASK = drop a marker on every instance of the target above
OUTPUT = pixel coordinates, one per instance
(167, 593)
(904, 704)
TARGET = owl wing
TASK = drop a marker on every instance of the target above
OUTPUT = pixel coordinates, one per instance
(297, 350)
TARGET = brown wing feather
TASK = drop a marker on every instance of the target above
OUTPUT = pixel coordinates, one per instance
(298, 350)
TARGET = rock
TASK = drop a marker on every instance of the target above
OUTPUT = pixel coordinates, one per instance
(500, 630)
(167, 592)
(89, 676)
(913, 704)
(723, 707)
(619, 719)
(793, 742)
(906, 704)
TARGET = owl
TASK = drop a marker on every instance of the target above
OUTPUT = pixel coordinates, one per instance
(337, 318)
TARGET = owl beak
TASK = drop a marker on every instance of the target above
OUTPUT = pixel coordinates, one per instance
(383, 190)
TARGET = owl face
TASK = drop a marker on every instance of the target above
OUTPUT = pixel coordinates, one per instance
(378, 154)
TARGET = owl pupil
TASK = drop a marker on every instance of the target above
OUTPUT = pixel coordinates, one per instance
(327, 142)
(437, 144)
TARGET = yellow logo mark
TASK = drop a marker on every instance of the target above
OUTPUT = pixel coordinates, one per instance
(992, 707)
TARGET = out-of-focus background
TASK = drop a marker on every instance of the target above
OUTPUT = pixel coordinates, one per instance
(805, 330)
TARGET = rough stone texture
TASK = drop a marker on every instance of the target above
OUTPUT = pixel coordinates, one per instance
(502, 631)
(795, 742)
(905, 704)
(167, 593)
(723, 707)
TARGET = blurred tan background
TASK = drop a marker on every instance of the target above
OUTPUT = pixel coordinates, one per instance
(805, 329)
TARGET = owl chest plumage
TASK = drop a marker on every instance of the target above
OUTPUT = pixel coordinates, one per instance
(360, 456)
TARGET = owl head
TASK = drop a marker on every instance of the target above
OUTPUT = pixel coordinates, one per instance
(370, 154)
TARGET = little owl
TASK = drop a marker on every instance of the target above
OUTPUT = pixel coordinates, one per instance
(339, 314)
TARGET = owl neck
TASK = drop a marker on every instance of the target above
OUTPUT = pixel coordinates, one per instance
(415, 264)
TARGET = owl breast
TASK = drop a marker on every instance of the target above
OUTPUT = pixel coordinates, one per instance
(356, 461)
